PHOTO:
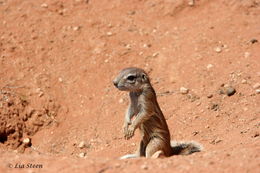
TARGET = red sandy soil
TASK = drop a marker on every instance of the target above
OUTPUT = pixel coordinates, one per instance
(58, 59)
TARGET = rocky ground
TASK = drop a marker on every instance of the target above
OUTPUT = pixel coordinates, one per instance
(59, 110)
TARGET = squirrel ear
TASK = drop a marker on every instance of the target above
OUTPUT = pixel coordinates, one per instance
(144, 77)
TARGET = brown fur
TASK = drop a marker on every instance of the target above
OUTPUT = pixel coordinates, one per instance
(148, 117)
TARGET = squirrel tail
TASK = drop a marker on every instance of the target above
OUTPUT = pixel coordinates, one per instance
(185, 148)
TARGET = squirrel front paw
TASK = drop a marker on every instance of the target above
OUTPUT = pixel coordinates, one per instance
(129, 132)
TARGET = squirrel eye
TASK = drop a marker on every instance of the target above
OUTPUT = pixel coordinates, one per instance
(131, 78)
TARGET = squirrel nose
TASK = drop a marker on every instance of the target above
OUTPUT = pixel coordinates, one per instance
(115, 83)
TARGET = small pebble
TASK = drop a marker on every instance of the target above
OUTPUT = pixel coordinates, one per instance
(110, 25)
(147, 45)
(128, 46)
(38, 90)
(253, 41)
(256, 135)
(109, 33)
(209, 66)
(155, 54)
(131, 12)
(226, 85)
(191, 3)
(245, 109)
(27, 141)
(218, 49)
(247, 54)
(40, 94)
(257, 91)
(82, 155)
(184, 90)
(44, 5)
(144, 167)
(195, 133)
(76, 28)
(214, 106)
(216, 141)
(81, 145)
(256, 86)
(230, 91)
(209, 96)
(121, 100)
(244, 81)
(227, 90)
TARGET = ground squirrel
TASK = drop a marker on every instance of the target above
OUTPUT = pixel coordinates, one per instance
(144, 113)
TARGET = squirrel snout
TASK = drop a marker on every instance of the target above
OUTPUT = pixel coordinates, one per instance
(115, 83)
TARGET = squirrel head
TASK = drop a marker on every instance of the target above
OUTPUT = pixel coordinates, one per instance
(131, 79)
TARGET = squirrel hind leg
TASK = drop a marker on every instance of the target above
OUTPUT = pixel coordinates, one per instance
(157, 148)
(158, 154)
(185, 148)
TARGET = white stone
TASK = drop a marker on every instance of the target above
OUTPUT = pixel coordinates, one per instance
(191, 3)
(244, 81)
(82, 155)
(128, 46)
(121, 100)
(256, 86)
(44, 5)
(109, 33)
(209, 66)
(81, 144)
(247, 54)
(26, 141)
(155, 54)
(218, 49)
(76, 28)
(184, 90)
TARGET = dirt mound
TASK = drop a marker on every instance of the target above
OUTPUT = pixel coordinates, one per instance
(19, 120)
